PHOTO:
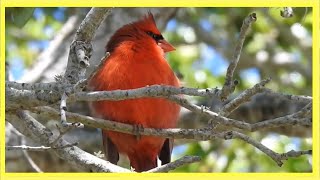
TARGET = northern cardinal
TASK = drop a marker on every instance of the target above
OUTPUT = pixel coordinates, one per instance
(136, 60)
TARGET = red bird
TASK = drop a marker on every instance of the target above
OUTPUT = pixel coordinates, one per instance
(137, 60)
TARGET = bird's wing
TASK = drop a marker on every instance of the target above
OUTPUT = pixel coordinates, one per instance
(110, 150)
(166, 150)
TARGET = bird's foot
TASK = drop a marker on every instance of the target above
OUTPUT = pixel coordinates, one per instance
(137, 129)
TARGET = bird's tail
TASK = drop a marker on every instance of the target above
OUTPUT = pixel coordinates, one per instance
(144, 165)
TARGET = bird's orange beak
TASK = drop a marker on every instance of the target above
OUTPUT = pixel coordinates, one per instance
(167, 47)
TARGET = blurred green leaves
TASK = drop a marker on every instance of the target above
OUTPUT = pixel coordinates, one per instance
(22, 28)
(20, 16)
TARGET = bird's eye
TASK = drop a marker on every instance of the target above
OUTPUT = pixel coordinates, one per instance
(156, 37)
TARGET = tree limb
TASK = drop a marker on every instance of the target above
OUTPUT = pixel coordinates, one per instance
(175, 164)
(202, 134)
(243, 97)
(229, 84)
(79, 55)
(36, 148)
(29, 95)
(30, 127)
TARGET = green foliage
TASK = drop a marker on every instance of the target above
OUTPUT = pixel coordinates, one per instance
(20, 16)
(22, 28)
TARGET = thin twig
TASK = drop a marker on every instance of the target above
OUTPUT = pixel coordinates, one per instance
(63, 119)
(175, 164)
(245, 96)
(33, 165)
(125, 128)
(30, 161)
(295, 98)
(28, 148)
(229, 85)
(36, 148)
(302, 117)
(176, 133)
(212, 116)
(277, 157)
(65, 126)
(293, 153)
(30, 127)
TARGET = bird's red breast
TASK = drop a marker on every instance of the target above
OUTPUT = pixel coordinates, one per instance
(137, 60)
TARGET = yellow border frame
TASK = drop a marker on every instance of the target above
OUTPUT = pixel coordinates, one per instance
(169, 3)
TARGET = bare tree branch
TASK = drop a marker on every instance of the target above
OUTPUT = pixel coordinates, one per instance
(90, 24)
(278, 158)
(176, 133)
(295, 98)
(229, 84)
(215, 118)
(175, 164)
(281, 121)
(33, 165)
(52, 86)
(80, 53)
(37, 148)
(34, 97)
(26, 155)
(243, 97)
(24, 99)
(30, 127)
(27, 148)
(302, 117)
(81, 48)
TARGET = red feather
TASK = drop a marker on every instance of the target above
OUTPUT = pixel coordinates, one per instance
(136, 60)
